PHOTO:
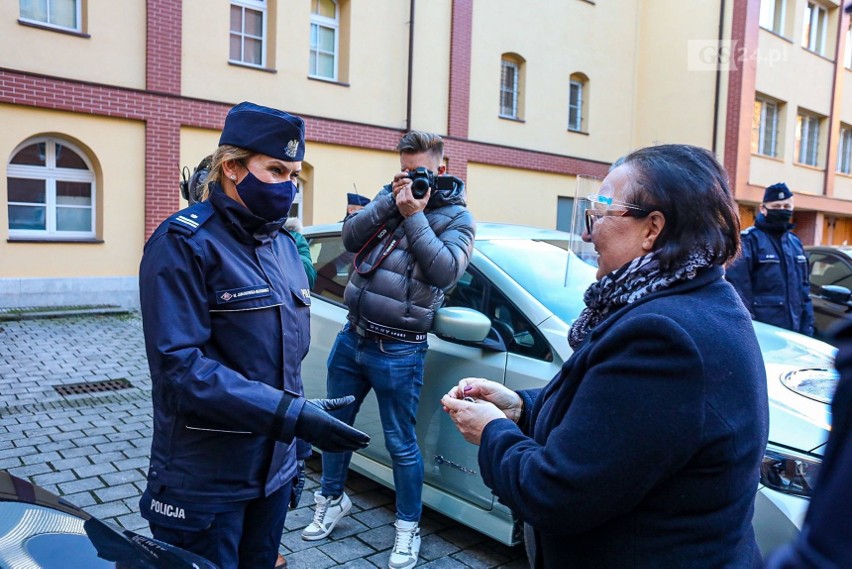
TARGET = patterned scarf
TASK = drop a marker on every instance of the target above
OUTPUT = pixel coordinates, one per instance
(640, 277)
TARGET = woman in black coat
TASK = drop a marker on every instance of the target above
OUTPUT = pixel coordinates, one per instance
(644, 450)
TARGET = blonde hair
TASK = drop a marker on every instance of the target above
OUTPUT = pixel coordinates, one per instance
(220, 156)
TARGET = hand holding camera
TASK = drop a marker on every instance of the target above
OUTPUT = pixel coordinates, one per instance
(413, 189)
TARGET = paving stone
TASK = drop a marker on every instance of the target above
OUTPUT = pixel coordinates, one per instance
(134, 522)
(434, 547)
(122, 477)
(346, 549)
(81, 485)
(12, 462)
(53, 478)
(38, 457)
(108, 510)
(112, 493)
(30, 470)
(81, 499)
(376, 517)
(309, 559)
(70, 463)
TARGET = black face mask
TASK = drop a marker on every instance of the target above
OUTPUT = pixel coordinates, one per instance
(779, 216)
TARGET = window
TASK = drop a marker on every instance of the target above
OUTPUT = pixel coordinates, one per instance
(807, 139)
(844, 150)
(772, 15)
(847, 55)
(764, 139)
(510, 329)
(325, 24)
(51, 189)
(511, 86)
(248, 32)
(816, 21)
(578, 102)
(62, 14)
(828, 270)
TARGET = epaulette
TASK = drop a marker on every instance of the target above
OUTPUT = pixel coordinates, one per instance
(747, 230)
(187, 221)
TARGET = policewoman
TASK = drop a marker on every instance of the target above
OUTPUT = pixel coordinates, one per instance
(225, 308)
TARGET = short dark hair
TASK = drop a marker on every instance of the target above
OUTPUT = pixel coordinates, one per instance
(690, 187)
(415, 142)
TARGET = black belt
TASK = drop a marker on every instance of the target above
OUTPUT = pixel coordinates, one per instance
(372, 331)
(364, 333)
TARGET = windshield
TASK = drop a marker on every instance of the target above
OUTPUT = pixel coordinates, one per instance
(539, 267)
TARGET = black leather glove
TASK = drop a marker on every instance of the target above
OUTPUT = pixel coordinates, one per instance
(316, 426)
(298, 485)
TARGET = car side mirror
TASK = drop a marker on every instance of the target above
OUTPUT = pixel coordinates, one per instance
(463, 324)
(835, 293)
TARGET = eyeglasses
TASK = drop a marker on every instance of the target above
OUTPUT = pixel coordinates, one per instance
(600, 208)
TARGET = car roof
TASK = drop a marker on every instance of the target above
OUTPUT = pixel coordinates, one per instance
(844, 249)
(486, 231)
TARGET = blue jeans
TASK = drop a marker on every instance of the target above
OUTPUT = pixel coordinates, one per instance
(395, 371)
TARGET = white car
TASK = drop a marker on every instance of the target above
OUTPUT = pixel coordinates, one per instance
(507, 319)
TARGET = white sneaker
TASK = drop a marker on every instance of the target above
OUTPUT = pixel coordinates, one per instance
(406, 546)
(328, 513)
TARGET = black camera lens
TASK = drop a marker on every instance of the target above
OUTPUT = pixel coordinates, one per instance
(419, 187)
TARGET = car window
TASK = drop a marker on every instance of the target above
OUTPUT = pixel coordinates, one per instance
(829, 270)
(333, 264)
(520, 337)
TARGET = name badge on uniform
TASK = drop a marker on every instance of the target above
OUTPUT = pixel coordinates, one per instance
(243, 293)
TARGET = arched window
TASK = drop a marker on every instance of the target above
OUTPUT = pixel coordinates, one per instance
(511, 86)
(325, 26)
(51, 191)
(578, 102)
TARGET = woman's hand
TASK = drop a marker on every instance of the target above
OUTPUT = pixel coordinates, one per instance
(471, 416)
(481, 389)
(475, 402)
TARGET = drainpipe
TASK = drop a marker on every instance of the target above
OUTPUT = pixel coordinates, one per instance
(718, 74)
(410, 66)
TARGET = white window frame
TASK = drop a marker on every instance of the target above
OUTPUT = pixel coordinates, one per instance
(51, 174)
(257, 6)
(575, 105)
(844, 150)
(847, 55)
(768, 146)
(807, 139)
(513, 91)
(318, 22)
(78, 15)
(773, 15)
(815, 27)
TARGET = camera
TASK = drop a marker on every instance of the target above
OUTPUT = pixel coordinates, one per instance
(422, 179)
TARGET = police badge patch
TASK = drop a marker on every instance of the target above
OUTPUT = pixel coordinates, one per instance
(292, 148)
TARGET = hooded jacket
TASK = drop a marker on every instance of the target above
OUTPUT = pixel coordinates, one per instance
(432, 251)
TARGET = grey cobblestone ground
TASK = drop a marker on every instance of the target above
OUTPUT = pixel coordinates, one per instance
(93, 449)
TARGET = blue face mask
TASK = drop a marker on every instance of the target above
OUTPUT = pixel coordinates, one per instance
(268, 201)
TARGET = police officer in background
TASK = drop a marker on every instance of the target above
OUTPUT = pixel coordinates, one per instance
(354, 202)
(771, 275)
(225, 308)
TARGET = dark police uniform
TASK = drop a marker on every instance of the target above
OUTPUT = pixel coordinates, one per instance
(771, 277)
(225, 307)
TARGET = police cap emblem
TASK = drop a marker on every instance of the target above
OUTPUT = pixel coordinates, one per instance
(292, 148)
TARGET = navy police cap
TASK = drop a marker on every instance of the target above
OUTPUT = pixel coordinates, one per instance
(356, 199)
(266, 131)
(777, 192)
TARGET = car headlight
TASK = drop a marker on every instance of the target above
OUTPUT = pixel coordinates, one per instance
(789, 471)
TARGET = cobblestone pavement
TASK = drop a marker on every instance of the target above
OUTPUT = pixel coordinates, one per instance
(92, 448)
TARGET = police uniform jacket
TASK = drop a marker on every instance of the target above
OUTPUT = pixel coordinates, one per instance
(644, 451)
(772, 278)
(225, 308)
(432, 251)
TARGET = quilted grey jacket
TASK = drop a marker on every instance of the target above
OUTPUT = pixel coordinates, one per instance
(432, 252)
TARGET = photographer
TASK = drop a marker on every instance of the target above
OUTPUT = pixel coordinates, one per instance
(413, 241)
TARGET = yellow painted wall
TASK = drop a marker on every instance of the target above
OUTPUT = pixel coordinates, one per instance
(801, 179)
(431, 86)
(493, 194)
(377, 90)
(846, 109)
(843, 187)
(556, 39)
(675, 84)
(335, 169)
(113, 54)
(117, 150)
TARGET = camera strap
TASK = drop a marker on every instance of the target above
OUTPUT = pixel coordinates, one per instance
(376, 249)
